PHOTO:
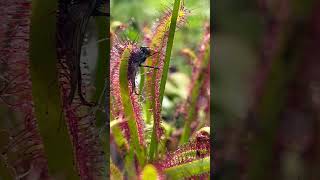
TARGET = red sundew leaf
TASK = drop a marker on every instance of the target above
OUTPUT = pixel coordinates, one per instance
(72, 20)
(138, 117)
(158, 43)
(82, 129)
(197, 149)
(126, 91)
(117, 105)
(24, 151)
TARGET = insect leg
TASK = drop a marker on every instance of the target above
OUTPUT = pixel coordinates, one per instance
(134, 87)
(131, 78)
(149, 66)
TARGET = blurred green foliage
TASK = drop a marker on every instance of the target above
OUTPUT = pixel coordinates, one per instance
(238, 29)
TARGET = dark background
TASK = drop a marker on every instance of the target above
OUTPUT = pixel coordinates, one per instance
(265, 89)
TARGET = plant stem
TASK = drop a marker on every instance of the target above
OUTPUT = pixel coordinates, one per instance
(102, 85)
(172, 29)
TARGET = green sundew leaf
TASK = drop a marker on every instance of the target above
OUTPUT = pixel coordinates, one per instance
(142, 79)
(102, 83)
(129, 165)
(114, 123)
(127, 105)
(153, 145)
(46, 93)
(115, 173)
(149, 172)
(120, 140)
(172, 29)
(102, 67)
(194, 168)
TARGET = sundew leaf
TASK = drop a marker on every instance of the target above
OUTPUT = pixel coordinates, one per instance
(190, 159)
(90, 160)
(117, 135)
(115, 173)
(175, 14)
(161, 42)
(118, 56)
(129, 165)
(194, 168)
(136, 136)
(150, 172)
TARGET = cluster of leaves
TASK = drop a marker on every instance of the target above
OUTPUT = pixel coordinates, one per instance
(138, 132)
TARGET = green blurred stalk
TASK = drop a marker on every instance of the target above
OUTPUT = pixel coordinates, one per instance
(172, 29)
(46, 93)
(141, 84)
(115, 172)
(102, 84)
(102, 67)
(5, 172)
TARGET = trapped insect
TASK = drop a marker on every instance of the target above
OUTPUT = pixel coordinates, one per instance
(73, 17)
(136, 60)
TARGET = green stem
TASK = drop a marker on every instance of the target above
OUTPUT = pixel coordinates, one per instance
(101, 85)
(153, 145)
(141, 85)
(172, 29)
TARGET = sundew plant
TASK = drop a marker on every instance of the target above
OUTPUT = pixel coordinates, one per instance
(159, 115)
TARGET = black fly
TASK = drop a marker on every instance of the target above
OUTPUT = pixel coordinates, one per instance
(73, 18)
(136, 60)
